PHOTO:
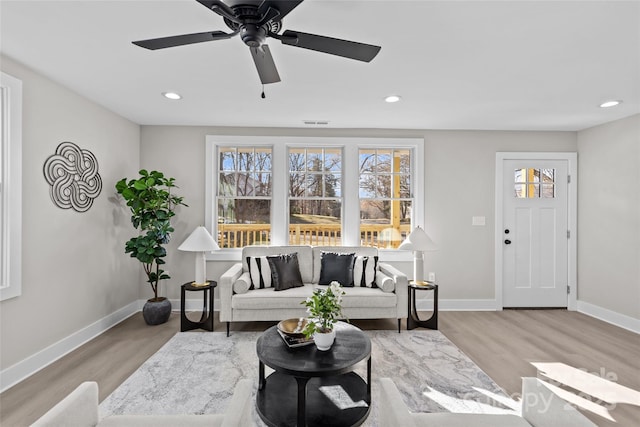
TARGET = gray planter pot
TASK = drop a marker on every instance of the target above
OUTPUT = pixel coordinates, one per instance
(156, 312)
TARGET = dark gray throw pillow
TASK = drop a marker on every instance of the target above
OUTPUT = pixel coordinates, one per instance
(336, 267)
(285, 271)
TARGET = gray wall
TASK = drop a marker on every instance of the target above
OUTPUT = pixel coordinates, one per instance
(459, 174)
(609, 216)
(74, 271)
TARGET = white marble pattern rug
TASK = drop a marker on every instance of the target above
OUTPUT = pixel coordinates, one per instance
(195, 373)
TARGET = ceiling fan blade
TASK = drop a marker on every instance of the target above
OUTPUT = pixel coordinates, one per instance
(164, 42)
(283, 6)
(345, 48)
(264, 63)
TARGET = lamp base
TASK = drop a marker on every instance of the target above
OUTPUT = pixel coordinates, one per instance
(199, 285)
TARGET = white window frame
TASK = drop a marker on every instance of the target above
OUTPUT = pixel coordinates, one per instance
(11, 187)
(350, 184)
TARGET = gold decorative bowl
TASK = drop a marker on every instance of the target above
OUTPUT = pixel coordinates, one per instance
(293, 327)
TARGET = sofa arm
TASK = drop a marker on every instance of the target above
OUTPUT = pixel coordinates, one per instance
(225, 284)
(78, 409)
(392, 410)
(238, 413)
(541, 407)
(402, 284)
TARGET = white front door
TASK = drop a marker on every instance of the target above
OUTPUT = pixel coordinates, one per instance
(534, 233)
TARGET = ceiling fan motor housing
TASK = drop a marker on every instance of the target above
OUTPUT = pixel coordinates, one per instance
(252, 34)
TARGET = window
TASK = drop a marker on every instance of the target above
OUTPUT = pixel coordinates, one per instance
(312, 191)
(385, 196)
(315, 196)
(244, 196)
(10, 186)
(534, 183)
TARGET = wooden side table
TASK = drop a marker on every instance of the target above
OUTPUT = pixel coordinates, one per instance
(206, 320)
(413, 321)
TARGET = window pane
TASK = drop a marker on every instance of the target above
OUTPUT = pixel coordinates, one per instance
(367, 186)
(245, 185)
(296, 160)
(333, 160)
(243, 222)
(520, 191)
(405, 186)
(262, 159)
(520, 175)
(548, 175)
(405, 161)
(548, 191)
(315, 222)
(367, 161)
(296, 184)
(383, 186)
(227, 184)
(245, 159)
(533, 191)
(333, 185)
(314, 185)
(314, 160)
(262, 184)
(227, 159)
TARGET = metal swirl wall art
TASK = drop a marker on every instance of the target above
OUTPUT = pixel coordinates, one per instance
(72, 173)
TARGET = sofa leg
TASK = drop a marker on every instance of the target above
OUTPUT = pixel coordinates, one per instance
(399, 323)
(228, 324)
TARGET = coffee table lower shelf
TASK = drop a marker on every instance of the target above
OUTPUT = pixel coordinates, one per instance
(279, 407)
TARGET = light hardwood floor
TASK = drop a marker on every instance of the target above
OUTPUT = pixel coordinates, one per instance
(504, 344)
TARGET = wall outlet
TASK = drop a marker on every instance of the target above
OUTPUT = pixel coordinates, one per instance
(432, 277)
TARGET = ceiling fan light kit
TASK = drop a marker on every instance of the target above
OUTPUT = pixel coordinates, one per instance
(255, 24)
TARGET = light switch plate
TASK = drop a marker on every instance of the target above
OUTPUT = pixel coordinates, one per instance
(478, 220)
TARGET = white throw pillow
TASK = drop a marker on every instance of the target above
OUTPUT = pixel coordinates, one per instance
(260, 272)
(364, 271)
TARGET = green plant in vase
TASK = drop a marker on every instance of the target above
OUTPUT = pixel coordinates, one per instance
(325, 309)
(152, 206)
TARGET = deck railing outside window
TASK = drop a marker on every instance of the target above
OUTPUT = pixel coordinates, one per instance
(376, 235)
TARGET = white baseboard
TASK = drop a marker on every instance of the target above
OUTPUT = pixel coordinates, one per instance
(627, 322)
(32, 364)
(458, 304)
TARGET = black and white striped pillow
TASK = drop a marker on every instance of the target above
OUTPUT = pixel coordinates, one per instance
(364, 271)
(260, 272)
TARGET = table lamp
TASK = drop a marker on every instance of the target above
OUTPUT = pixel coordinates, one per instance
(200, 241)
(418, 242)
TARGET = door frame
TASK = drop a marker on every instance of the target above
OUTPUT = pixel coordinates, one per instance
(572, 219)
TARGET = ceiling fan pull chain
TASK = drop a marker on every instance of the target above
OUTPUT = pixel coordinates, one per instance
(263, 96)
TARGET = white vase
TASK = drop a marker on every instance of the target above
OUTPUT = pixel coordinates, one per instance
(324, 341)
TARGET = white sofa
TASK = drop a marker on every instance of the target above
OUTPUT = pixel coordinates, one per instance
(540, 408)
(80, 409)
(239, 305)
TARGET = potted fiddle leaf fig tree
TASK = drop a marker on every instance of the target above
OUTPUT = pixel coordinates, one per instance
(152, 206)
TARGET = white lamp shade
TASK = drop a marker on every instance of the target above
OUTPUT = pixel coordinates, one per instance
(199, 241)
(418, 240)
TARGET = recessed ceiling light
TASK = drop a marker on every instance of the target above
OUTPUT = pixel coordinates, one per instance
(608, 104)
(392, 98)
(172, 95)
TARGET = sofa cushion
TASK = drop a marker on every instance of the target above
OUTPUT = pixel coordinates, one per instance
(305, 257)
(317, 256)
(285, 272)
(268, 299)
(384, 282)
(364, 271)
(259, 272)
(336, 267)
(243, 284)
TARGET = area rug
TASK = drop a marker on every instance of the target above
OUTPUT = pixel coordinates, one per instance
(195, 373)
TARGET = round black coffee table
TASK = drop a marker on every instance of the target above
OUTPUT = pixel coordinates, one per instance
(311, 387)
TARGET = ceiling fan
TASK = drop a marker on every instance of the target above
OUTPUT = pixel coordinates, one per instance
(255, 21)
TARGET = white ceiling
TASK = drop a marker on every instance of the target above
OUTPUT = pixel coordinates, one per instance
(511, 65)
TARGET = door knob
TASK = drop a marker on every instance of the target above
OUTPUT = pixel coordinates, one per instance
(507, 242)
